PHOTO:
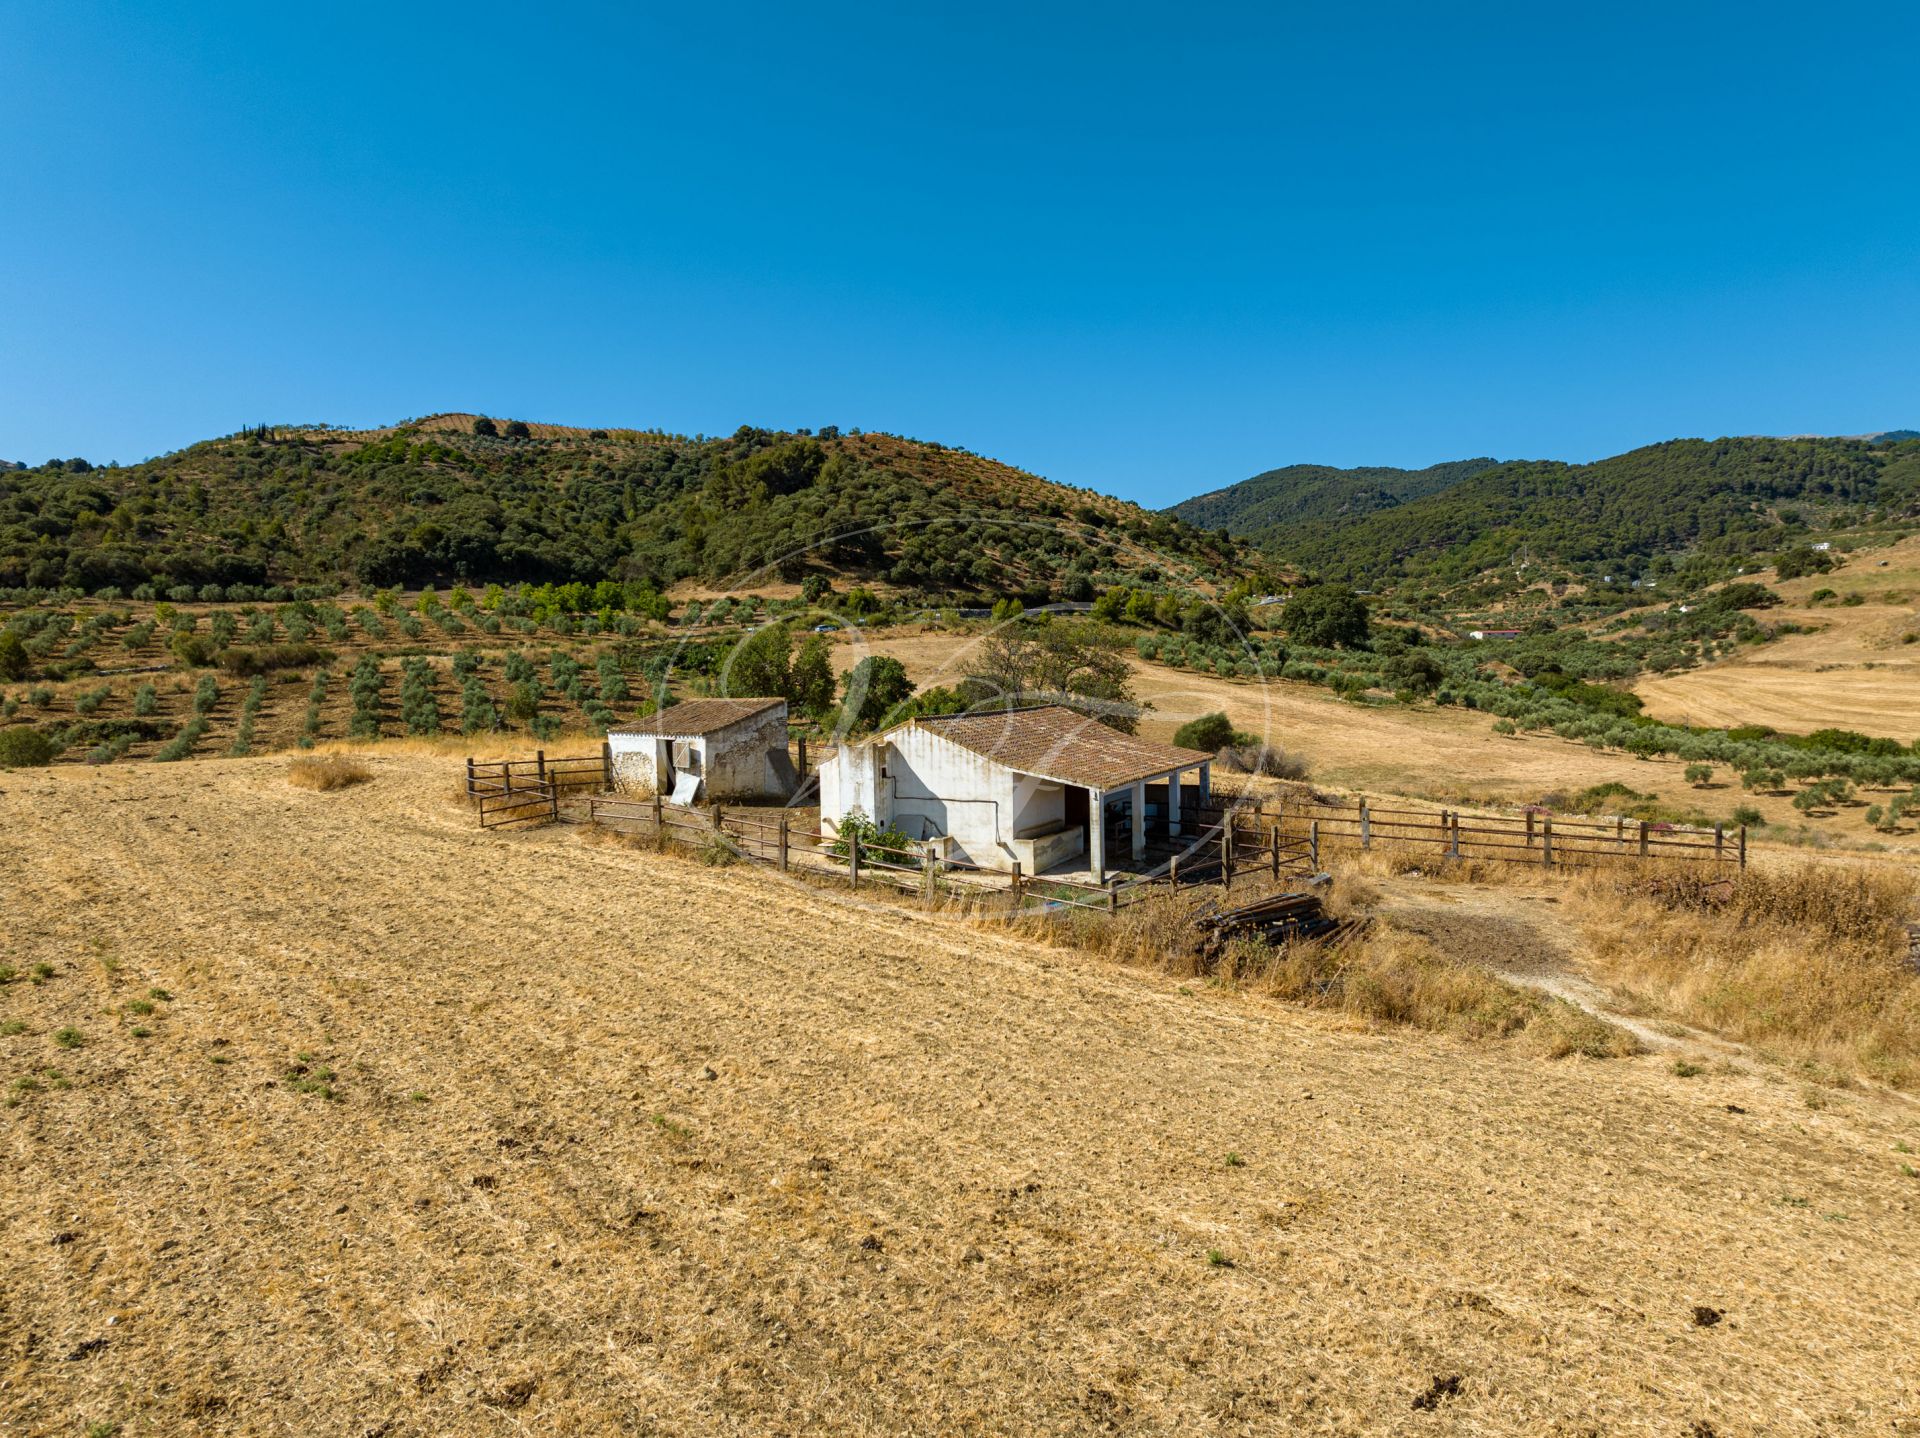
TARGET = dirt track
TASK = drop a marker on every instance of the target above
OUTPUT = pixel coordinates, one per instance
(939, 1180)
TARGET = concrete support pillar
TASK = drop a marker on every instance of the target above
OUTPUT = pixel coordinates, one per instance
(1097, 835)
(1173, 804)
(1139, 802)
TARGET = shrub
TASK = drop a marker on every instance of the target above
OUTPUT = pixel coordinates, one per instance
(477, 714)
(857, 830)
(325, 772)
(1211, 732)
(1267, 759)
(271, 657)
(486, 427)
(1748, 817)
(25, 748)
(181, 745)
(1699, 775)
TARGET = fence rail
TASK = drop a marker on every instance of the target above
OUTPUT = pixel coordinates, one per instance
(1530, 838)
(1227, 839)
(1220, 854)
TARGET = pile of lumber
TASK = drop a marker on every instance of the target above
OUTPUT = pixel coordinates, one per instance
(1276, 920)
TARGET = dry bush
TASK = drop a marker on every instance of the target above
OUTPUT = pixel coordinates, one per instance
(1378, 973)
(1805, 961)
(1267, 760)
(325, 772)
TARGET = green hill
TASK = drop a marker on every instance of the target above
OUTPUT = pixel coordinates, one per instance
(1257, 508)
(1720, 500)
(434, 501)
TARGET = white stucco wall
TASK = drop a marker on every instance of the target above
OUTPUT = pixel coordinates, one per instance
(733, 762)
(931, 786)
(636, 760)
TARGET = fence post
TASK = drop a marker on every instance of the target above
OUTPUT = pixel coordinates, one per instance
(659, 822)
(803, 756)
(926, 873)
(1013, 881)
(1529, 828)
(469, 776)
(1226, 851)
(1273, 846)
(540, 764)
(1453, 847)
(1743, 846)
(1366, 826)
(1113, 896)
(1643, 838)
(553, 802)
(606, 764)
(1313, 843)
(1546, 841)
(1719, 844)
(783, 841)
(853, 861)
(1620, 830)
(506, 775)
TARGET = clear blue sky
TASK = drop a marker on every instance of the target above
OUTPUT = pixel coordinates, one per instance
(1147, 249)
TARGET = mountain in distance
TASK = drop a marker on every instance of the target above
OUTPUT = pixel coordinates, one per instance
(462, 498)
(1256, 509)
(1728, 500)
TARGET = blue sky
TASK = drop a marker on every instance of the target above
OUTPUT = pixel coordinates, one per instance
(1147, 249)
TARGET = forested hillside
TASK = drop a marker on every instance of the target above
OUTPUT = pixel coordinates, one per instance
(1256, 508)
(1723, 500)
(458, 498)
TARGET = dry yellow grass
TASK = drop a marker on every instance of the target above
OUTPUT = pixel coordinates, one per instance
(622, 1144)
(1374, 972)
(324, 772)
(1805, 962)
(1855, 670)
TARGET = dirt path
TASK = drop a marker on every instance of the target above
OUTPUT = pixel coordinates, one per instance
(1518, 936)
(622, 1143)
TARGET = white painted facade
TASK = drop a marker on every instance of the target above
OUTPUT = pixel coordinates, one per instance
(988, 814)
(744, 760)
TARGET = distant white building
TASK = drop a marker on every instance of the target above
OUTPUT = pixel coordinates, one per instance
(705, 749)
(1040, 787)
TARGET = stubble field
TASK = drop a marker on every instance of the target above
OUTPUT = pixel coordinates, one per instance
(617, 1142)
(1856, 668)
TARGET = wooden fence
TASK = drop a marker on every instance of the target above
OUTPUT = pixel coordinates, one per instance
(1229, 838)
(1530, 838)
(591, 773)
(1233, 847)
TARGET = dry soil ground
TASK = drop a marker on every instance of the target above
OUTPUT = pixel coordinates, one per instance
(622, 1143)
(1855, 670)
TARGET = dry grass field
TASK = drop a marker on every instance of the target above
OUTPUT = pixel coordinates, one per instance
(1857, 669)
(331, 1114)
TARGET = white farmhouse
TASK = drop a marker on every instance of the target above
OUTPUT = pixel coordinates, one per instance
(1040, 787)
(705, 749)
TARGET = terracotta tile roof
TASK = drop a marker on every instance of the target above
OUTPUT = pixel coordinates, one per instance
(697, 716)
(1054, 742)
